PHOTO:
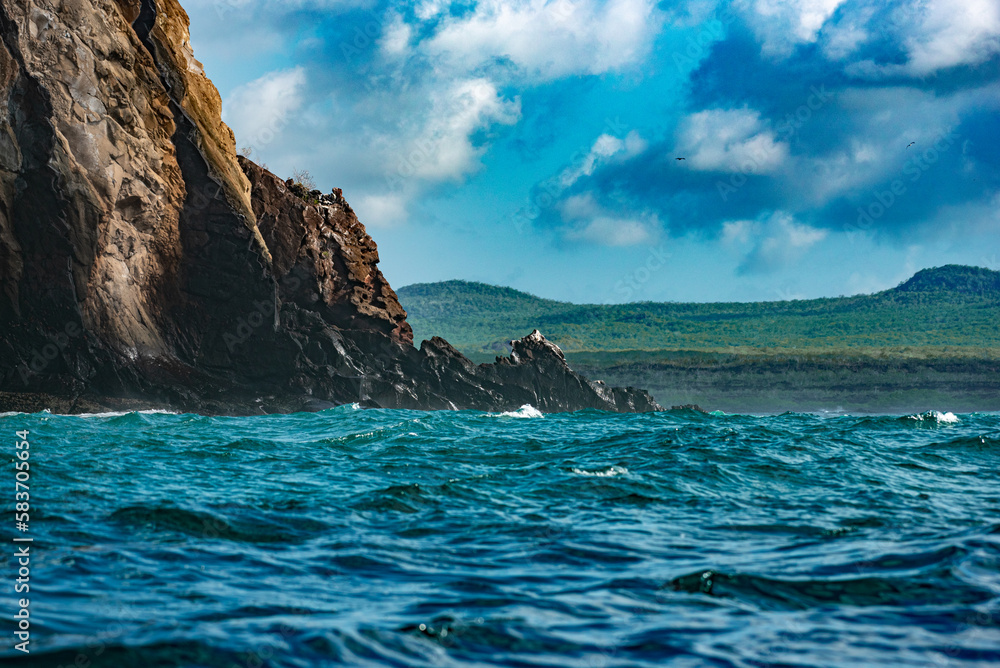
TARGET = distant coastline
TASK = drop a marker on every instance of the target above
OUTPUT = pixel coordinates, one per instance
(931, 342)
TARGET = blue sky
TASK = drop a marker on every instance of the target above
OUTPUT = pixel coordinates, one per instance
(829, 147)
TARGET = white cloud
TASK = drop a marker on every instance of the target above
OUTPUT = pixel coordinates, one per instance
(443, 150)
(434, 146)
(549, 39)
(729, 140)
(737, 232)
(607, 231)
(430, 9)
(871, 150)
(587, 220)
(386, 210)
(842, 38)
(934, 35)
(258, 111)
(395, 38)
(434, 96)
(778, 240)
(953, 32)
(783, 24)
(605, 148)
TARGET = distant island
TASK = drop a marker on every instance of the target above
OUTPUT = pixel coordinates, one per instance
(933, 341)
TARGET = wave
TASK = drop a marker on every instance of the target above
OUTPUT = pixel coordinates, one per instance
(344, 408)
(607, 473)
(525, 411)
(934, 416)
(114, 414)
(245, 525)
(777, 593)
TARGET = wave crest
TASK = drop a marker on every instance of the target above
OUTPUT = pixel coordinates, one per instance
(934, 416)
(607, 473)
(525, 411)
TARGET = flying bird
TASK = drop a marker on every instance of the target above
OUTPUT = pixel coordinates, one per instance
(910, 144)
(680, 158)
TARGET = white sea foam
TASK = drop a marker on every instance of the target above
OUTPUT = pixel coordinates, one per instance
(112, 414)
(525, 411)
(607, 473)
(935, 416)
(101, 415)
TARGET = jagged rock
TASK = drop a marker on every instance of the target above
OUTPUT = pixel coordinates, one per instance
(690, 407)
(143, 263)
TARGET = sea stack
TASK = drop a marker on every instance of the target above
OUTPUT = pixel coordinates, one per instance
(143, 263)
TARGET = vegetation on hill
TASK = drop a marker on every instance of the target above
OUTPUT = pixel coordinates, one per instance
(951, 307)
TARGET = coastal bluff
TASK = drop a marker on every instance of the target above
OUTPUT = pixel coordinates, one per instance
(144, 264)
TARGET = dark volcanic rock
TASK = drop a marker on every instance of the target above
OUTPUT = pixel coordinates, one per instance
(143, 264)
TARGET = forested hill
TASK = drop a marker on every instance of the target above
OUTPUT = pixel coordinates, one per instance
(951, 306)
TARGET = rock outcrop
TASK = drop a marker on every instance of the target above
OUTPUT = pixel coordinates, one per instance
(143, 263)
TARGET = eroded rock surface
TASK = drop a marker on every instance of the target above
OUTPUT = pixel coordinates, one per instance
(142, 262)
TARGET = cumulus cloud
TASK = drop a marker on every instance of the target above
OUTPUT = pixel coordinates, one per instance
(606, 148)
(730, 140)
(782, 25)
(549, 39)
(947, 33)
(396, 37)
(614, 231)
(913, 39)
(736, 233)
(441, 149)
(434, 147)
(778, 241)
(930, 36)
(437, 85)
(585, 219)
(383, 210)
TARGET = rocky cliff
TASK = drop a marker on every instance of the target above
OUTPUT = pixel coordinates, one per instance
(143, 263)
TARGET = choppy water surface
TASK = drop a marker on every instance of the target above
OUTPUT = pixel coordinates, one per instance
(394, 538)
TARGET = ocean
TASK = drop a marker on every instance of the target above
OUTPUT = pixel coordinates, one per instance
(400, 538)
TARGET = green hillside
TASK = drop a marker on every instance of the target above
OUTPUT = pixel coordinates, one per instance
(951, 307)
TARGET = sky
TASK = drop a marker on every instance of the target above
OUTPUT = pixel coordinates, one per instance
(828, 147)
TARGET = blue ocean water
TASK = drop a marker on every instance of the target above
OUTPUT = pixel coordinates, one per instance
(398, 538)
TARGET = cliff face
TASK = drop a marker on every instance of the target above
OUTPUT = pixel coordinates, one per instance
(142, 260)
